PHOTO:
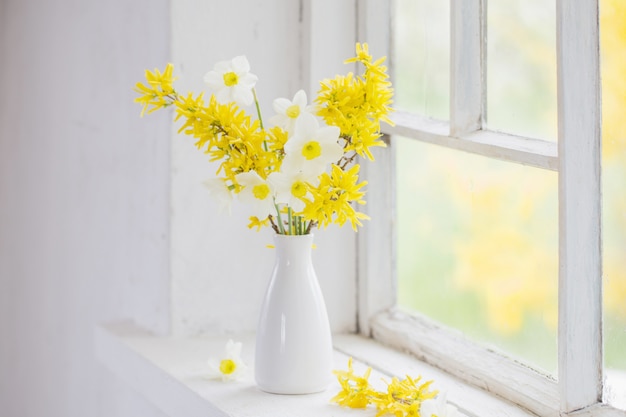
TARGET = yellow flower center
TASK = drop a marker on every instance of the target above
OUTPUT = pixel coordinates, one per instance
(298, 189)
(230, 79)
(293, 111)
(227, 366)
(311, 150)
(261, 191)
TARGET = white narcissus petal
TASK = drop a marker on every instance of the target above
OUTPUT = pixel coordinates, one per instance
(248, 80)
(328, 134)
(291, 164)
(242, 95)
(234, 366)
(313, 149)
(428, 408)
(297, 205)
(213, 79)
(281, 105)
(233, 350)
(438, 407)
(219, 190)
(300, 99)
(224, 95)
(328, 137)
(262, 205)
(240, 64)
(214, 368)
(283, 183)
(308, 127)
(240, 88)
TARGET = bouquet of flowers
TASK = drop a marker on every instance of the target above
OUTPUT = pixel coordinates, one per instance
(302, 171)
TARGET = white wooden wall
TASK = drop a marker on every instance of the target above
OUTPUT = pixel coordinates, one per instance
(83, 199)
(86, 187)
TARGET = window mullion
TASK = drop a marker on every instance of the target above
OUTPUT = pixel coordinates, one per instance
(376, 242)
(580, 267)
(522, 150)
(467, 81)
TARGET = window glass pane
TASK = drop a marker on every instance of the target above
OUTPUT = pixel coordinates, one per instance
(478, 247)
(521, 67)
(613, 59)
(421, 57)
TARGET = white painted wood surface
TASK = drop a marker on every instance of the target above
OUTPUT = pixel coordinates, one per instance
(168, 371)
(376, 289)
(511, 148)
(467, 62)
(470, 400)
(376, 243)
(479, 366)
(598, 410)
(580, 240)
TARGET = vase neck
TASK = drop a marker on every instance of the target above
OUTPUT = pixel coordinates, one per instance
(293, 248)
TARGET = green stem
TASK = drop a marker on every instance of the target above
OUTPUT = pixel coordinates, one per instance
(289, 219)
(258, 108)
(280, 220)
(258, 112)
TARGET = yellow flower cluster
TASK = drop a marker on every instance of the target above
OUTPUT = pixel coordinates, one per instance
(403, 398)
(357, 104)
(333, 197)
(356, 391)
(159, 92)
(227, 134)
(241, 145)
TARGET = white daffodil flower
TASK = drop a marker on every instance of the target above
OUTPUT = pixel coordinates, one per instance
(232, 81)
(230, 366)
(289, 113)
(311, 148)
(438, 407)
(220, 191)
(290, 187)
(257, 192)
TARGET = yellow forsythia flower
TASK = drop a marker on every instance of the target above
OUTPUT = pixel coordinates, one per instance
(403, 398)
(159, 92)
(355, 390)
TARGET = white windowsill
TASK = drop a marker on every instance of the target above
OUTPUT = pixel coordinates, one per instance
(168, 371)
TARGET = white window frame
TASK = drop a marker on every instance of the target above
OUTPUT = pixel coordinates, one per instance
(577, 160)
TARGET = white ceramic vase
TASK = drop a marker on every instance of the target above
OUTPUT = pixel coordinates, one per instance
(293, 342)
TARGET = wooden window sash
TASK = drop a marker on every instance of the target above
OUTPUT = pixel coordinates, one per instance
(579, 389)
